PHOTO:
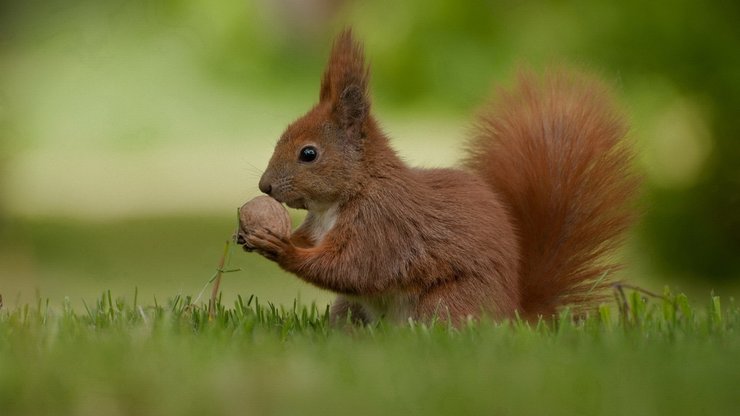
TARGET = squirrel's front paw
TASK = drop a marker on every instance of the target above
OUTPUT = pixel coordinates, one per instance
(240, 239)
(268, 244)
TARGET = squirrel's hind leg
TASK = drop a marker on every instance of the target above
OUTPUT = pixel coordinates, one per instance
(459, 300)
(344, 310)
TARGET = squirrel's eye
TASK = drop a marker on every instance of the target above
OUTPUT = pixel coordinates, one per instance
(308, 154)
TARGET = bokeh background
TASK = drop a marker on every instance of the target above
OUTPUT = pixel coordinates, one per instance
(131, 130)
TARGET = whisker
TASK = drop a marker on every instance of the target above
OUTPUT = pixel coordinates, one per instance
(254, 168)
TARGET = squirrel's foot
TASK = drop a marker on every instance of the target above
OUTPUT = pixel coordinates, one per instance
(269, 244)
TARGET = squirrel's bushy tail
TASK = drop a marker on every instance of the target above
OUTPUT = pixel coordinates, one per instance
(554, 148)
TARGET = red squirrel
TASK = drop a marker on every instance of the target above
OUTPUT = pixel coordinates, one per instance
(525, 226)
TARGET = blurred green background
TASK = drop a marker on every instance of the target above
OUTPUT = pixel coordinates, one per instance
(131, 130)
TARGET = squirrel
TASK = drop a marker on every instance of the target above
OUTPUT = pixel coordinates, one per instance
(524, 228)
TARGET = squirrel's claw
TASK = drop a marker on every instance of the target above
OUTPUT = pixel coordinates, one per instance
(268, 244)
(240, 240)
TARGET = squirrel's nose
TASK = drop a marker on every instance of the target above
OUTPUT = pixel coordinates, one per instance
(265, 187)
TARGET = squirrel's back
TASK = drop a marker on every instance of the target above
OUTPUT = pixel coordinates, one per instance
(554, 149)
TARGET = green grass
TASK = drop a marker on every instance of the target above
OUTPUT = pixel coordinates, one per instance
(118, 356)
(126, 353)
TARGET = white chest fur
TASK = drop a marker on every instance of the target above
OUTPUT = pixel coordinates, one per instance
(322, 221)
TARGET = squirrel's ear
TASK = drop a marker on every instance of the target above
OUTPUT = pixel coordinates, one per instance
(345, 82)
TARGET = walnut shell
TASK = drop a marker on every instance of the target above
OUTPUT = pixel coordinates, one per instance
(264, 212)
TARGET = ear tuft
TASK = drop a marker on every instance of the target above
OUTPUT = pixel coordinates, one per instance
(345, 81)
(352, 107)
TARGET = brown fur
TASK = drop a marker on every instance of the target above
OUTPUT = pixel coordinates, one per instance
(522, 229)
(554, 149)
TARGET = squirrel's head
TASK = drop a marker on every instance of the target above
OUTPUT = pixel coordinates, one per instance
(318, 160)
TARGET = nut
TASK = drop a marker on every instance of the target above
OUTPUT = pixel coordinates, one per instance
(264, 212)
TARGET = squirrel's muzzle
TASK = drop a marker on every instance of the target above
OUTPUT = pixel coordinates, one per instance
(265, 186)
